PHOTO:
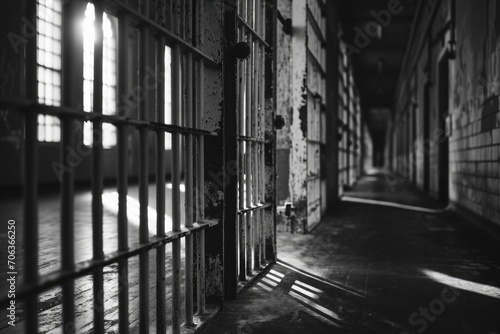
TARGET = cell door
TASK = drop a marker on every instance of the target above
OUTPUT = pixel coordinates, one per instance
(443, 142)
(160, 273)
(426, 140)
(250, 238)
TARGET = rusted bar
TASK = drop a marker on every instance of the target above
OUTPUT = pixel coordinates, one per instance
(200, 173)
(241, 153)
(262, 134)
(200, 162)
(97, 172)
(143, 177)
(230, 152)
(161, 306)
(248, 171)
(255, 130)
(122, 180)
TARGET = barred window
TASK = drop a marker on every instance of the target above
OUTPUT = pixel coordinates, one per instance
(108, 76)
(49, 66)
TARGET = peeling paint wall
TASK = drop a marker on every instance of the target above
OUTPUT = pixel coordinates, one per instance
(298, 124)
(283, 105)
(311, 159)
(212, 42)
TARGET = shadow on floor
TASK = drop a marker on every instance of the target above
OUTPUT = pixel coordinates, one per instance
(375, 269)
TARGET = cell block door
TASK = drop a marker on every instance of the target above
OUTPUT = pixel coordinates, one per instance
(157, 281)
(254, 129)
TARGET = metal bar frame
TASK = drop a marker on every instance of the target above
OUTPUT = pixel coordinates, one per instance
(252, 77)
(248, 145)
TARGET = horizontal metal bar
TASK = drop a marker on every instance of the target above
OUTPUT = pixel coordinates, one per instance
(314, 177)
(253, 139)
(316, 27)
(314, 141)
(169, 36)
(181, 129)
(261, 39)
(317, 63)
(255, 207)
(29, 107)
(87, 267)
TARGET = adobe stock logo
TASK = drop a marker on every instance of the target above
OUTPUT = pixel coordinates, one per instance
(381, 19)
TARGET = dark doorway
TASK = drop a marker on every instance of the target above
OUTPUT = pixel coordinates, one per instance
(443, 112)
(426, 146)
(413, 151)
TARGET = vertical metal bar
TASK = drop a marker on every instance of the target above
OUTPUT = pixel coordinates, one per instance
(97, 173)
(248, 171)
(201, 190)
(122, 180)
(31, 217)
(30, 189)
(256, 118)
(161, 307)
(67, 226)
(176, 158)
(255, 172)
(263, 132)
(122, 172)
(200, 166)
(241, 149)
(189, 194)
(189, 175)
(67, 185)
(230, 152)
(143, 177)
(270, 17)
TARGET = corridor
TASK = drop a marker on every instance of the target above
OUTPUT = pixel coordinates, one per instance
(249, 166)
(371, 268)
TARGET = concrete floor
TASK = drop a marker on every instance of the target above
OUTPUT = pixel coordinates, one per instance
(375, 269)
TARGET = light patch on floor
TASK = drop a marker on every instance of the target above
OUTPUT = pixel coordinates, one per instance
(320, 309)
(483, 289)
(110, 202)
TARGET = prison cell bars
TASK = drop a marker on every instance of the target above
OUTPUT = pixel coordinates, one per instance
(33, 284)
(251, 74)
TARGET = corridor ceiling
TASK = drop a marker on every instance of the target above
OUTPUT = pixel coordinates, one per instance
(377, 52)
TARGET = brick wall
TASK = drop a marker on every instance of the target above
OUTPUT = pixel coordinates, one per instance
(472, 100)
